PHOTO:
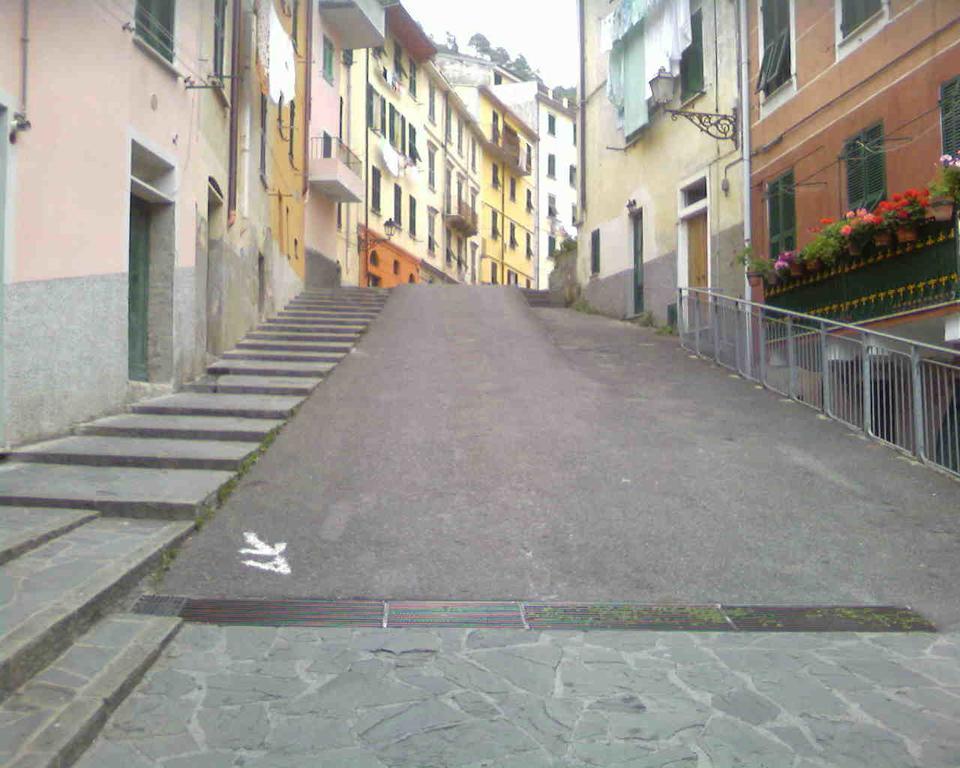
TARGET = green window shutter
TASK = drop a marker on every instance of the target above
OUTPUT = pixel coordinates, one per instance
(375, 189)
(219, 35)
(856, 173)
(776, 64)
(328, 56)
(875, 176)
(371, 95)
(855, 12)
(595, 252)
(154, 25)
(782, 209)
(773, 208)
(950, 116)
(691, 61)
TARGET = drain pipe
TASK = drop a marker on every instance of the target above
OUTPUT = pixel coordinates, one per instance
(20, 121)
(745, 133)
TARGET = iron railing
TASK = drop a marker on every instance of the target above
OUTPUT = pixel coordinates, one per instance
(902, 392)
(326, 147)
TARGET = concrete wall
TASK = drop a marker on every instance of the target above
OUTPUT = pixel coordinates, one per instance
(652, 170)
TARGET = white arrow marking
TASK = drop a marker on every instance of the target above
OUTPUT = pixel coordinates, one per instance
(258, 548)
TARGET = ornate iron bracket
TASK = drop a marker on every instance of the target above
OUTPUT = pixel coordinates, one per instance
(710, 123)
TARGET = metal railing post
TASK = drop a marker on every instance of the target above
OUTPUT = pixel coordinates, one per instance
(696, 324)
(867, 375)
(715, 327)
(919, 420)
(792, 358)
(762, 334)
(683, 328)
(736, 338)
(825, 378)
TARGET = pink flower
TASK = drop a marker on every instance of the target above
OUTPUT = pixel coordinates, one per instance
(846, 231)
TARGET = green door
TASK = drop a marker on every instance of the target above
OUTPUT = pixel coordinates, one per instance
(138, 288)
(637, 221)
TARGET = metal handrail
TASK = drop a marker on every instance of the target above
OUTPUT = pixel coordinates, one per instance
(326, 147)
(901, 392)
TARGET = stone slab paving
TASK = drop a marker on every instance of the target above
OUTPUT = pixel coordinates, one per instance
(25, 528)
(295, 698)
(201, 404)
(183, 427)
(253, 385)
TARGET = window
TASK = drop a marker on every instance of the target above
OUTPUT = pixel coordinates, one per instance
(394, 120)
(473, 153)
(513, 236)
(413, 216)
(530, 200)
(398, 69)
(295, 24)
(552, 166)
(855, 12)
(552, 125)
(573, 175)
(433, 102)
(263, 138)
(412, 152)
(396, 266)
(413, 78)
(329, 55)
(383, 115)
(293, 129)
(432, 231)
(460, 137)
(574, 134)
(398, 205)
(374, 259)
(219, 36)
(691, 61)
(552, 206)
(529, 157)
(373, 281)
(496, 176)
(513, 189)
(494, 227)
(375, 189)
(154, 25)
(529, 246)
(782, 214)
(551, 245)
(866, 172)
(432, 167)
(950, 116)
(448, 119)
(371, 107)
(497, 78)
(339, 217)
(776, 65)
(595, 252)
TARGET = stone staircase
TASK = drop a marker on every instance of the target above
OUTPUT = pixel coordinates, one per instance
(84, 518)
(541, 298)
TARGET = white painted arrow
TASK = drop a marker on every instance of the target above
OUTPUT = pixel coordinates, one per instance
(258, 548)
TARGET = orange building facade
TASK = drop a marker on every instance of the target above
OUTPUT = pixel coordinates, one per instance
(385, 264)
(841, 81)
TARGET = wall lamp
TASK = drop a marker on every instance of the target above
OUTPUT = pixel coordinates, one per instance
(715, 125)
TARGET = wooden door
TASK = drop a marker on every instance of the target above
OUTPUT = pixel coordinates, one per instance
(697, 251)
(139, 288)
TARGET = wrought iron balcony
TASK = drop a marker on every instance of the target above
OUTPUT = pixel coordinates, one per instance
(505, 145)
(880, 282)
(335, 171)
(461, 217)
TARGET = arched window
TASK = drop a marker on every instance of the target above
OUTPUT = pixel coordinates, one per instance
(396, 267)
(412, 279)
(374, 259)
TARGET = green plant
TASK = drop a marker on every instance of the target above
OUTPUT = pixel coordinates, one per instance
(947, 181)
(582, 305)
(827, 245)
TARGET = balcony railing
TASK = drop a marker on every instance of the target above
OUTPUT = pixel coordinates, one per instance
(893, 389)
(505, 144)
(461, 217)
(881, 281)
(335, 170)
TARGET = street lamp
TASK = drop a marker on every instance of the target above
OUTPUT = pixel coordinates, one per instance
(661, 86)
(389, 227)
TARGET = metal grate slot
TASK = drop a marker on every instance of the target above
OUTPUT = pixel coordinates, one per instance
(159, 605)
(497, 615)
(832, 618)
(280, 613)
(662, 618)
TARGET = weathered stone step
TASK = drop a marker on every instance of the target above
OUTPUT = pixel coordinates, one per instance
(333, 335)
(182, 427)
(175, 494)
(202, 404)
(148, 453)
(302, 370)
(323, 330)
(357, 318)
(319, 322)
(285, 355)
(57, 591)
(26, 528)
(337, 306)
(56, 715)
(255, 385)
(291, 345)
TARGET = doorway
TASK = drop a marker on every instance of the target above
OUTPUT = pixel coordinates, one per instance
(138, 301)
(636, 221)
(3, 212)
(216, 282)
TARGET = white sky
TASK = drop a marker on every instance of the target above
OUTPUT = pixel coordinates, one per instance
(545, 31)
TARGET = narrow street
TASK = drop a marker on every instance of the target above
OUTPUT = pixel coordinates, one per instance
(612, 476)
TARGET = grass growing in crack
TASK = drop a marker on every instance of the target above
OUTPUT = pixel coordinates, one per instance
(636, 615)
(163, 566)
(584, 306)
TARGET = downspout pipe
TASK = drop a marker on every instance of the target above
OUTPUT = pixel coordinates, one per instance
(20, 121)
(308, 98)
(237, 27)
(363, 254)
(745, 146)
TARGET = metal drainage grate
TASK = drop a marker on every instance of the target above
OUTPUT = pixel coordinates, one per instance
(661, 618)
(281, 613)
(831, 618)
(498, 615)
(159, 605)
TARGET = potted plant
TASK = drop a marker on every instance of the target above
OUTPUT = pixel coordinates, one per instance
(788, 265)
(904, 213)
(858, 228)
(827, 245)
(945, 189)
(758, 267)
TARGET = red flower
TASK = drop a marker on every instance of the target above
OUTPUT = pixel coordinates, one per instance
(826, 222)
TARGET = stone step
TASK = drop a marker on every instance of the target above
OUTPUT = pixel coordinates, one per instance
(319, 322)
(337, 306)
(300, 370)
(255, 385)
(365, 317)
(285, 355)
(318, 329)
(345, 293)
(203, 404)
(58, 714)
(332, 336)
(182, 427)
(26, 528)
(148, 453)
(56, 592)
(173, 494)
(291, 345)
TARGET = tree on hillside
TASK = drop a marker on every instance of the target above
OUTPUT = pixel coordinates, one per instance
(481, 43)
(560, 93)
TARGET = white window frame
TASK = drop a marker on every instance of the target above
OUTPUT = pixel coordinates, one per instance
(783, 94)
(687, 212)
(847, 45)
